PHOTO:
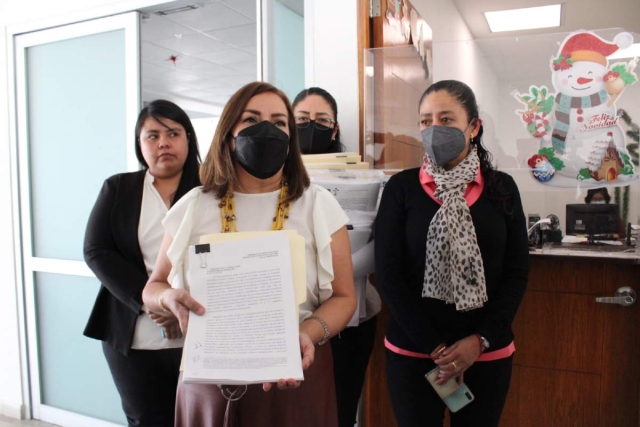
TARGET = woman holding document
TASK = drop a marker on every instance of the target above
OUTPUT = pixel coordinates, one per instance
(452, 264)
(316, 114)
(254, 180)
(121, 245)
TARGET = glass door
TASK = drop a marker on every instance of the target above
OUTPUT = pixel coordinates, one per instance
(77, 95)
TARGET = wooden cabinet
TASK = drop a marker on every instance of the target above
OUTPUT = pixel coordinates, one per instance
(577, 361)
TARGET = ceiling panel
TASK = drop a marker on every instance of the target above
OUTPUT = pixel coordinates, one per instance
(184, 62)
(166, 87)
(192, 44)
(213, 16)
(248, 67)
(230, 89)
(228, 56)
(158, 29)
(246, 7)
(212, 71)
(251, 49)
(206, 96)
(166, 74)
(243, 36)
(239, 80)
(205, 83)
(151, 53)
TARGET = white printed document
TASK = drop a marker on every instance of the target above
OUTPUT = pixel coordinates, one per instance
(353, 195)
(249, 333)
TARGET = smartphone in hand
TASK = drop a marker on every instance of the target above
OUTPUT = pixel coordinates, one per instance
(456, 395)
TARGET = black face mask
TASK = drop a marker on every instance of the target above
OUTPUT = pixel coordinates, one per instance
(262, 149)
(313, 140)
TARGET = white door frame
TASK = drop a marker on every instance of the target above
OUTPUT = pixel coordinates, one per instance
(26, 263)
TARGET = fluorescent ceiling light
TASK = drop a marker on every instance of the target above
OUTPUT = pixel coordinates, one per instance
(524, 19)
(632, 51)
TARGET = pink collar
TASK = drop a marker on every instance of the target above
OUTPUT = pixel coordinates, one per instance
(471, 194)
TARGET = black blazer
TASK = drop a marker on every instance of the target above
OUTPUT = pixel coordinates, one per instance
(112, 251)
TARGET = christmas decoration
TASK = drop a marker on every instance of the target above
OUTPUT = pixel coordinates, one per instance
(577, 125)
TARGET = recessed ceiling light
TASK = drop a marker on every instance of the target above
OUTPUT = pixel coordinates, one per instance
(524, 19)
(632, 51)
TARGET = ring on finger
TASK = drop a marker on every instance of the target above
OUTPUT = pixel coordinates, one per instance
(454, 365)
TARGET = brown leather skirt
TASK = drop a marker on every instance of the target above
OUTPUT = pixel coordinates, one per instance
(313, 404)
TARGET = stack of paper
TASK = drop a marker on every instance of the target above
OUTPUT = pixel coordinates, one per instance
(357, 192)
(251, 285)
(334, 161)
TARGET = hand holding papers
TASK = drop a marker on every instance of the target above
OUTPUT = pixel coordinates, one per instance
(249, 333)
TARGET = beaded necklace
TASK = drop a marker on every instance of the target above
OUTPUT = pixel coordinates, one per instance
(228, 212)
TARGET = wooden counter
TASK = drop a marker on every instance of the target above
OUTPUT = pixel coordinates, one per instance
(577, 361)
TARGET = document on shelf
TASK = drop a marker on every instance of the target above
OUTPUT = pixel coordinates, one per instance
(353, 195)
(249, 333)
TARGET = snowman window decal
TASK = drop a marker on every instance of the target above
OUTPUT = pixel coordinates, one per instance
(580, 140)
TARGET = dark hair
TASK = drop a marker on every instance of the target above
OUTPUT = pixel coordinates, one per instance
(336, 145)
(594, 191)
(218, 172)
(494, 187)
(161, 109)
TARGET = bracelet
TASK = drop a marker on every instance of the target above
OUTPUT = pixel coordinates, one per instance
(438, 351)
(325, 328)
(160, 304)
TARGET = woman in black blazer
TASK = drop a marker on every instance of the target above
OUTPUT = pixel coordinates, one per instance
(121, 243)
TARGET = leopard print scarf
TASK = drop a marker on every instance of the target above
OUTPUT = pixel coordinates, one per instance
(454, 271)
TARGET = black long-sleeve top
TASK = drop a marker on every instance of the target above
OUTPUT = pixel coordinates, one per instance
(421, 324)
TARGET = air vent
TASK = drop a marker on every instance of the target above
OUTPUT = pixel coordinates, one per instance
(178, 9)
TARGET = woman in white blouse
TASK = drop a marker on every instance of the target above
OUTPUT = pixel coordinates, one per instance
(253, 179)
(121, 245)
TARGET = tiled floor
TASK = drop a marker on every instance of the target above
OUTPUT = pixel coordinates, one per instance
(12, 422)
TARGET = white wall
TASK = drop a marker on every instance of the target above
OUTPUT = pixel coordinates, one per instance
(26, 15)
(10, 377)
(444, 19)
(331, 59)
(456, 56)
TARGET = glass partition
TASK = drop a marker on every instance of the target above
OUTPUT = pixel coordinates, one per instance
(560, 114)
(395, 78)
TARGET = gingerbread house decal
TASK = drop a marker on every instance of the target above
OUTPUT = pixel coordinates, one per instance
(605, 162)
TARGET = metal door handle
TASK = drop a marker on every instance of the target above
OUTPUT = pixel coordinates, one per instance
(624, 296)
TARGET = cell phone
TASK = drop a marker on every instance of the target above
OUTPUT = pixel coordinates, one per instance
(455, 394)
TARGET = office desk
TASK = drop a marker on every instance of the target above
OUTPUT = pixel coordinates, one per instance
(581, 250)
(576, 361)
